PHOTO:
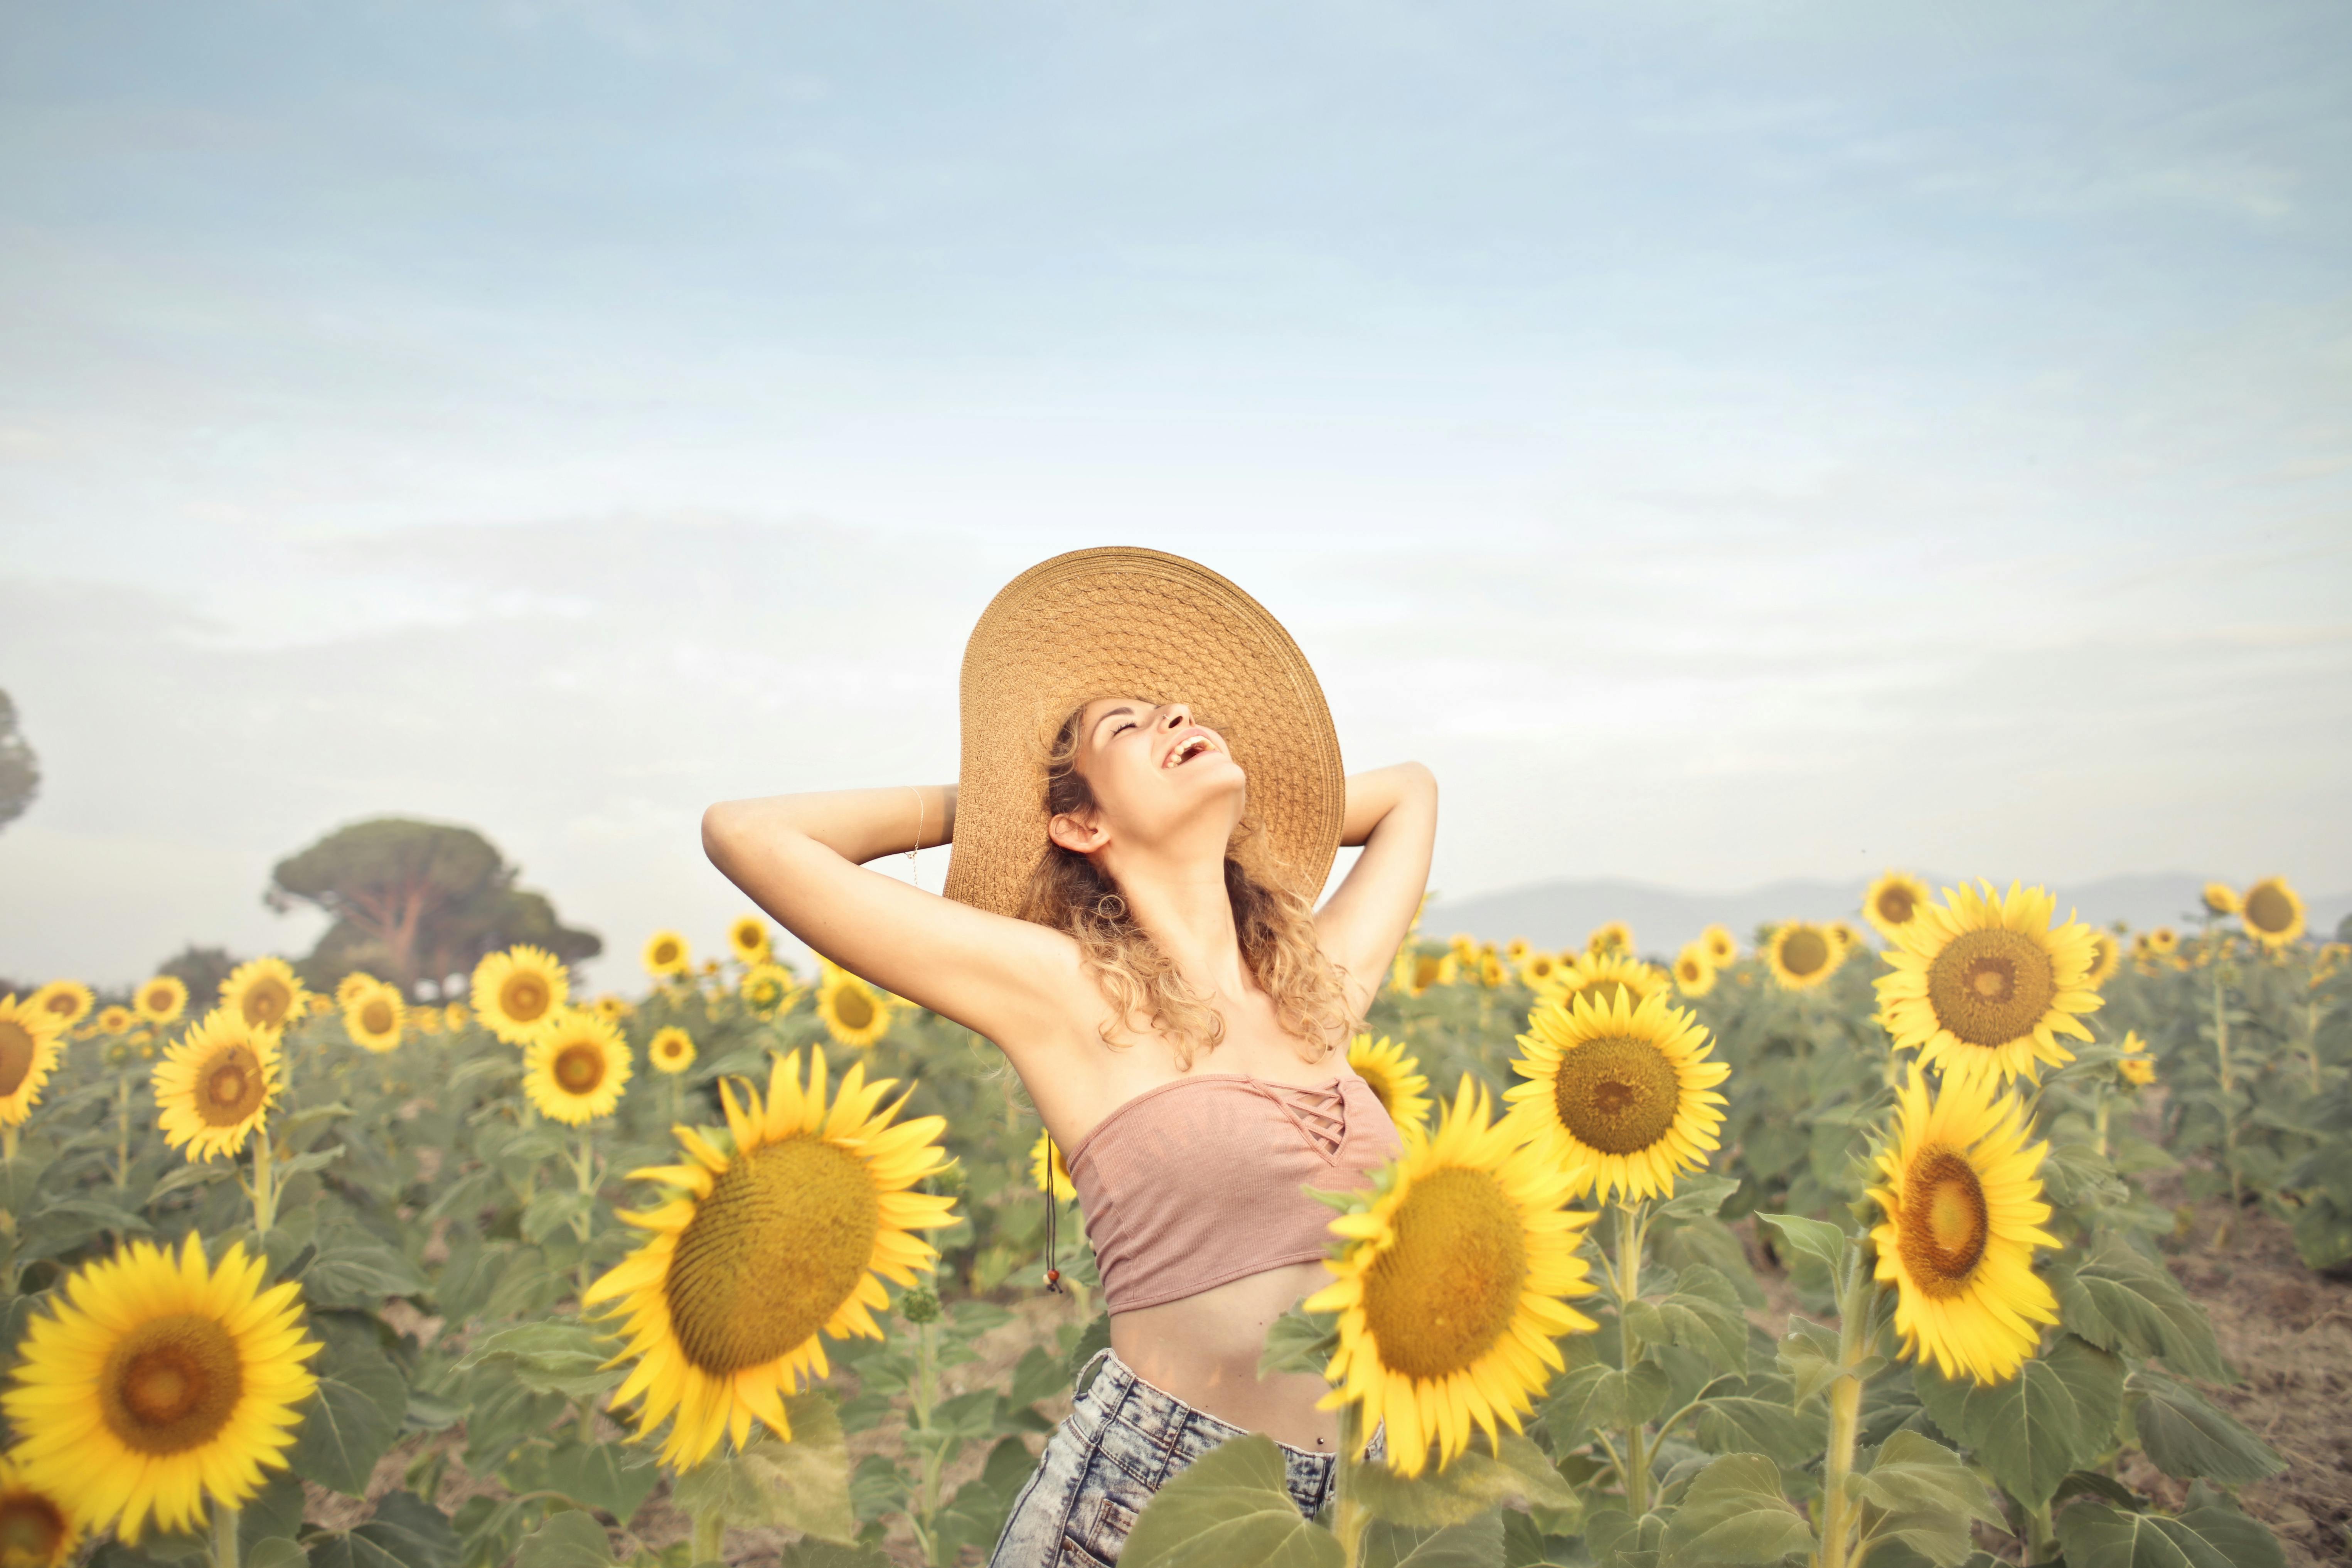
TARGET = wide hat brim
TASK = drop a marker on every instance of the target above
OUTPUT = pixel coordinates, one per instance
(1125, 622)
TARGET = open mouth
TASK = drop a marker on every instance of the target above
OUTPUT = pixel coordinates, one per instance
(1191, 746)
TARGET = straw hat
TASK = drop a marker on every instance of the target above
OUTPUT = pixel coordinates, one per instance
(1123, 622)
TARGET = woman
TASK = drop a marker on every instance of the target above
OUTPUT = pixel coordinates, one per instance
(1150, 794)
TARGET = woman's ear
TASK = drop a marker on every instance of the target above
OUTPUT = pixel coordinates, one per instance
(1077, 837)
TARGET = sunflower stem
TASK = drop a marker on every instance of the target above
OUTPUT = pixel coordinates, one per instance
(927, 1392)
(1837, 1521)
(223, 1536)
(1629, 1290)
(265, 1191)
(122, 1131)
(1347, 1514)
(2229, 1088)
(710, 1536)
(2106, 1096)
(8, 1141)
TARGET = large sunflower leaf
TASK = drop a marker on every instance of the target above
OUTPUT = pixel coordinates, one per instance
(1229, 1508)
(1809, 1355)
(606, 1476)
(352, 1269)
(1599, 1397)
(2121, 1300)
(1814, 1238)
(344, 1432)
(802, 1485)
(1702, 1315)
(566, 1540)
(1515, 1473)
(563, 1358)
(2097, 1536)
(1734, 1512)
(1920, 1494)
(1758, 1414)
(2057, 1414)
(1474, 1543)
(1695, 1198)
(2188, 1435)
(412, 1532)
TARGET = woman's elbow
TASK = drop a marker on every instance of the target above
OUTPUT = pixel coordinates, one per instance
(722, 826)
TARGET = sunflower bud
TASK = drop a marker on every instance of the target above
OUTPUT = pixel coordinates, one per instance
(919, 1306)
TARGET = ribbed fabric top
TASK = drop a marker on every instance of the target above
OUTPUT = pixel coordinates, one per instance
(1199, 1182)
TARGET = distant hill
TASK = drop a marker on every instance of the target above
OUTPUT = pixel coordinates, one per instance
(1561, 914)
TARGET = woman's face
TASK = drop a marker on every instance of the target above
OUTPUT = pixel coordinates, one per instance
(1156, 774)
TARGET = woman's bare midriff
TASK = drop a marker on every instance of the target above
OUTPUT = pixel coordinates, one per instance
(1205, 1350)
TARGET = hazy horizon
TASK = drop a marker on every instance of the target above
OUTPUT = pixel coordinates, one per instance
(1726, 443)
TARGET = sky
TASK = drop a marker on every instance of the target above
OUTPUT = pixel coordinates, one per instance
(1726, 442)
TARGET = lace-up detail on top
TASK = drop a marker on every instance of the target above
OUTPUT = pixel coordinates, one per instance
(1201, 1181)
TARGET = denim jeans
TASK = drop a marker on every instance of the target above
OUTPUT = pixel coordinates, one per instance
(1123, 1440)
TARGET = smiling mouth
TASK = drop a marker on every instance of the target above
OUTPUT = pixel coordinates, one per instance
(1190, 747)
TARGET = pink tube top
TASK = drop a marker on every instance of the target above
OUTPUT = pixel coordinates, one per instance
(1198, 1182)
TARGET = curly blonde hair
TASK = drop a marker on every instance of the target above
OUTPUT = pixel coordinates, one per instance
(1277, 928)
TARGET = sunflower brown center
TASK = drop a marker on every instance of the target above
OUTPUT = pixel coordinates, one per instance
(171, 1383)
(16, 1051)
(1945, 1223)
(524, 997)
(2269, 909)
(230, 1087)
(267, 1002)
(1447, 1286)
(376, 1016)
(1425, 971)
(666, 953)
(1990, 987)
(32, 1528)
(771, 1253)
(852, 1008)
(1689, 969)
(158, 999)
(579, 1068)
(1895, 905)
(61, 1003)
(1616, 1095)
(1805, 952)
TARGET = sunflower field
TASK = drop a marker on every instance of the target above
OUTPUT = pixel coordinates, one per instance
(1840, 1244)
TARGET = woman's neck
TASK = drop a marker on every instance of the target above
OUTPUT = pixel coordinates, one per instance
(1190, 915)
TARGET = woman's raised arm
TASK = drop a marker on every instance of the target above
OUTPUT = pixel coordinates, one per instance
(799, 856)
(1392, 812)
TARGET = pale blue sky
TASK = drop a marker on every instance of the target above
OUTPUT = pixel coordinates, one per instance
(1726, 441)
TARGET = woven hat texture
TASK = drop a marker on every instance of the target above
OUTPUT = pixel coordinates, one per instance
(1123, 622)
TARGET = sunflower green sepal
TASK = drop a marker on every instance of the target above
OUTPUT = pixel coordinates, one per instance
(1299, 1342)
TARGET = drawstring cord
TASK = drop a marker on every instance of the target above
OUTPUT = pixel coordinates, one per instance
(1052, 1212)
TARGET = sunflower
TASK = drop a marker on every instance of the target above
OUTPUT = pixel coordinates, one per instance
(426, 1020)
(154, 1383)
(1492, 971)
(29, 1051)
(1964, 1213)
(767, 989)
(2219, 898)
(1610, 936)
(264, 993)
(1417, 971)
(456, 1017)
(1464, 949)
(1537, 970)
(666, 953)
(38, 1529)
(1694, 970)
(670, 1050)
(2273, 912)
(1801, 955)
(577, 1067)
(115, 1019)
(854, 1012)
(1395, 1079)
(1452, 1278)
(613, 1007)
(2164, 942)
(748, 937)
(1606, 977)
(162, 999)
(1721, 946)
(791, 1234)
(2136, 1065)
(1892, 901)
(1844, 935)
(1981, 983)
(2105, 956)
(2331, 959)
(518, 991)
(1058, 1183)
(1515, 951)
(317, 1007)
(66, 1001)
(1620, 1093)
(216, 1086)
(373, 1017)
(353, 986)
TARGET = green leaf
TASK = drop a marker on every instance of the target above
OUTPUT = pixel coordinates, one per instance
(1514, 1473)
(1695, 1197)
(557, 1357)
(1812, 1238)
(1597, 1397)
(1737, 1421)
(2097, 1536)
(826, 1555)
(607, 1476)
(2124, 1301)
(802, 1485)
(553, 1210)
(344, 1432)
(1734, 1512)
(1299, 1340)
(1091, 1343)
(877, 1486)
(1038, 1375)
(1809, 1355)
(2058, 1413)
(975, 1515)
(1919, 1493)
(1474, 1543)
(2187, 1436)
(1230, 1508)
(274, 1551)
(1702, 1315)
(567, 1539)
(353, 1269)
(412, 1533)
